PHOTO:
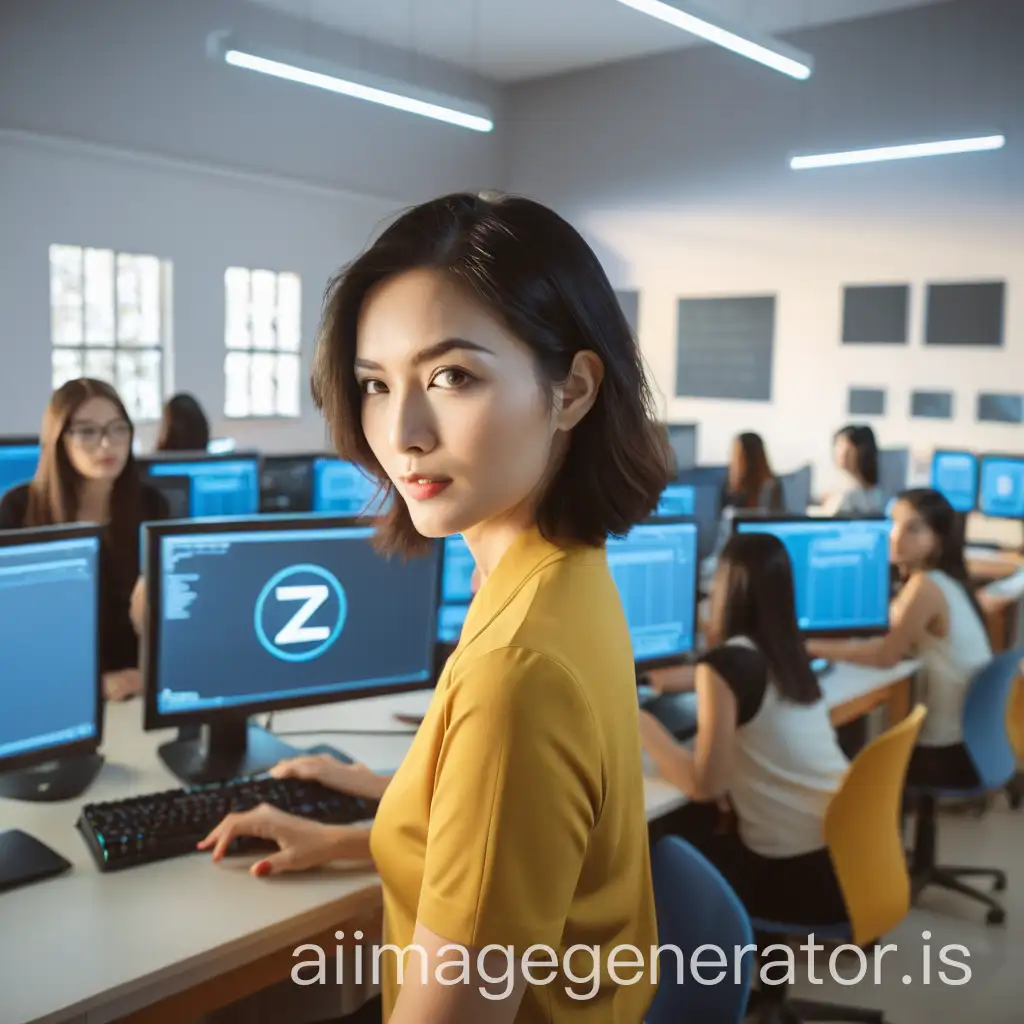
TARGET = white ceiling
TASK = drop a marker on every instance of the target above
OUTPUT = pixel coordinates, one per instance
(512, 40)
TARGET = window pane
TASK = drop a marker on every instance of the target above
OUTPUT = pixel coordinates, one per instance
(67, 365)
(264, 385)
(287, 385)
(99, 363)
(289, 312)
(236, 384)
(139, 384)
(138, 300)
(66, 294)
(99, 296)
(236, 308)
(264, 307)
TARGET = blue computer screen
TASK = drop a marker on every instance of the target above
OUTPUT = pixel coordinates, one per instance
(220, 487)
(17, 465)
(840, 570)
(343, 489)
(252, 617)
(456, 589)
(677, 500)
(955, 476)
(48, 689)
(655, 568)
(1002, 487)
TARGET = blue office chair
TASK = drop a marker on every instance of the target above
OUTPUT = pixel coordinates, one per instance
(696, 906)
(988, 745)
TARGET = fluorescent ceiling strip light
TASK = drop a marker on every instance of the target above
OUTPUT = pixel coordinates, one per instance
(909, 152)
(357, 90)
(763, 49)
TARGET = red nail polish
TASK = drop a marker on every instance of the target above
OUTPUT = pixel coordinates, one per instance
(261, 869)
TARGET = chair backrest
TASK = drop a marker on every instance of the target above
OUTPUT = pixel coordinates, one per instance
(696, 906)
(986, 705)
(864, 835)
(1015, 715)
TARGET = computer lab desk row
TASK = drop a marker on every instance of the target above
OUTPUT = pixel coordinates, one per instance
(170, 941)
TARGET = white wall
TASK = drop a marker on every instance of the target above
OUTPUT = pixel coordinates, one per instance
(117, 131)
(677, 167)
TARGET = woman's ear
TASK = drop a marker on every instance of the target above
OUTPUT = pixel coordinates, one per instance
(576, 395)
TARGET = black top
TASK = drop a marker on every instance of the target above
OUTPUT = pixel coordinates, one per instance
(119, 646)
(745, 671)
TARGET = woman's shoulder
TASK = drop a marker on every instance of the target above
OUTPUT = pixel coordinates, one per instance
(14, 507)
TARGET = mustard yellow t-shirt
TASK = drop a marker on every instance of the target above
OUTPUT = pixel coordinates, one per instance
(517, 817)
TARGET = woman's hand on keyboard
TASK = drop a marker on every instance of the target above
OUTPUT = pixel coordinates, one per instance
(354, 779)
(302, 844)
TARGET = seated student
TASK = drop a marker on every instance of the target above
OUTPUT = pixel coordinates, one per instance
(764, 741)
(936, 619)
(87, 474)
(751, 484)
(184, 426)
(856, 454)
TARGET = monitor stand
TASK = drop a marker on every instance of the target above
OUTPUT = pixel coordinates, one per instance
(24, 859)
(224, 750)
(61, 779)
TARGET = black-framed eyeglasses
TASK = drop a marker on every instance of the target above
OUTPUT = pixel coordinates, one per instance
(91, 435)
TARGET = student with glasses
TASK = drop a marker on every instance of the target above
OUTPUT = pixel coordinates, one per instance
(87, 474)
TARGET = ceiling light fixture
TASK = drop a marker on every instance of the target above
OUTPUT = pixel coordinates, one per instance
(761, 48)
(355, 84)
(907, 152)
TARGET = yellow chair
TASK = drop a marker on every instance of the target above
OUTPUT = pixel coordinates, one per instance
(1015, 728)
(864, 834)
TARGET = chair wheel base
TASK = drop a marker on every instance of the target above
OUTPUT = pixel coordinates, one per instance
(996, 916)
(999, 885)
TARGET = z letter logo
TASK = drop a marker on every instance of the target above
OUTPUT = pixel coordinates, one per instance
(295, 630)
(303, 633)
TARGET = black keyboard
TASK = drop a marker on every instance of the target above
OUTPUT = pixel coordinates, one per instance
(143, 829)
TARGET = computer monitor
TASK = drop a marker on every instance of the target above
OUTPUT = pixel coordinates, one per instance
(177, 492)
(456, 589)
(677, 500)
(682, 438)
(259, 614)
(656, 568)
(841, 571)
(796, 490)
(955, 476)
(51, 705)
(1001, 491)
(286, 483)
(19, 457)
(893, 471)
(221, 485)
(704, 476)
(221, 445)
(344, 489)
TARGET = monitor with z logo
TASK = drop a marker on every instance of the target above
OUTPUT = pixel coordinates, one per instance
(257, 614)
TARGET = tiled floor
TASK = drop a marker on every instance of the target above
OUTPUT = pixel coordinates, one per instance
(994, 993)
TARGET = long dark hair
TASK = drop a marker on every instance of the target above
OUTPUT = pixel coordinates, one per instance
(53, 494)
(533, 270)
(183, 426)
(758, 601)
(949, 527)
(748, 481)
(862, 437)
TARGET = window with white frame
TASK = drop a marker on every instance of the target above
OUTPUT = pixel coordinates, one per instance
(262, 332)
(109, 320)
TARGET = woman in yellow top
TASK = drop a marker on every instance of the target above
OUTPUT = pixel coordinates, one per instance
(476, 361)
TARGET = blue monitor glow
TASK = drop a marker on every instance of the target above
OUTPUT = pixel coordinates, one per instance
(456, 589)
(259, 614)
(343, 489)
(1001, 492)
(50, 698)
(841, 571)
(656, 568)
(955, 477)
(677, 500)
(18, 461)
(227, 486)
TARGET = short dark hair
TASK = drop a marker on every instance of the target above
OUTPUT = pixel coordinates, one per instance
(759, 602)
(862, 437)
(184, 426)
(534, 271)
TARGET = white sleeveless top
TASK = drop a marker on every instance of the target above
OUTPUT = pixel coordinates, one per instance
(948, 665)
(787, 767)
